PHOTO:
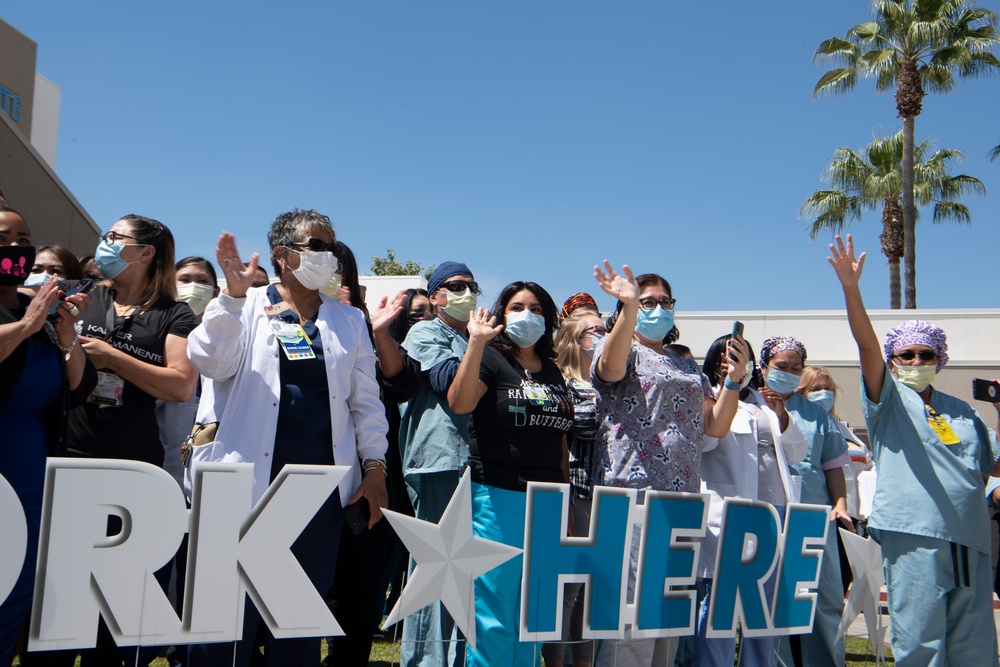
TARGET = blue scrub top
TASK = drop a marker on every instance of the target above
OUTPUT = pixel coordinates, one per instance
(432, 438)
(825, 441)
(926, 487)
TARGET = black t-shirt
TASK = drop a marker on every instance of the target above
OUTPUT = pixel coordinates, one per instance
(128, 431)
(518, 426)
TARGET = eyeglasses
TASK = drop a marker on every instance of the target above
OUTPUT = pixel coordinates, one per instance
(594, 331)
(909, 355)
(650, 304)
(318, 245)
(459, 286)
(112, 238)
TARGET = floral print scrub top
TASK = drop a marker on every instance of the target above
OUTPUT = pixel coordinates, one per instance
(651, 422)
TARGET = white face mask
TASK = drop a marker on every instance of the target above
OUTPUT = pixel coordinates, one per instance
(916, 378)
(315, 268)
(195, 295)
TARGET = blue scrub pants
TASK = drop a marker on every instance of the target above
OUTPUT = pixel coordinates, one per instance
(940, 602)
(498, 515)
(430, 637)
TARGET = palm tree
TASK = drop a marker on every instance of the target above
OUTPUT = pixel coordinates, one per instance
(916, 46)
(863, 181)
(995, 153)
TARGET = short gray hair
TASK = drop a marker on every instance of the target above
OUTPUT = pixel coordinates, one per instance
(286, 228)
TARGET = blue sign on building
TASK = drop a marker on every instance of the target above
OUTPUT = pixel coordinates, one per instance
(10, 104)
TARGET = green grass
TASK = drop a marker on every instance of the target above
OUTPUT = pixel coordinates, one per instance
(385, 653)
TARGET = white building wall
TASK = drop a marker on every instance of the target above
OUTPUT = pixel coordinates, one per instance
(45, 119)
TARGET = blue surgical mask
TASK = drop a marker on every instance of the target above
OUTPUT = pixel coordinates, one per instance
(37, 279)
(654, 324)
(824, 398)
(782, 382)
(524, 328)
(108, 259)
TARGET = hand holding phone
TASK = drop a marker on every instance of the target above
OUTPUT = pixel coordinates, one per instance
(737, 331)
(986, 390)
(69, 288)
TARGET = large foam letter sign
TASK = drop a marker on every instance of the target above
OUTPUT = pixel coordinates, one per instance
(747, 554)
(84, 572)
(235, 549)
(804, 538)
(664, 562)
(14, 529)
(552, 559)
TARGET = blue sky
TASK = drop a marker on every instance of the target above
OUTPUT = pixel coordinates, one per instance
(528, 139)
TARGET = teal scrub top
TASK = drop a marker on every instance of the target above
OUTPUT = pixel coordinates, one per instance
(431, 437)
(926, 487)
(826, 443)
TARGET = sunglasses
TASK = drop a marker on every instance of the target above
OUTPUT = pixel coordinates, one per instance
(318, 245)
(594, 331)
(909, 355)
(459, 286)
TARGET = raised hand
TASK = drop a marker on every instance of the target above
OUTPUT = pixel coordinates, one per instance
(843, 262)
(239, 278)
(483, 326)
(773, 400)
(36, 312)
(738, 349)
(622, 287)
(387, 311)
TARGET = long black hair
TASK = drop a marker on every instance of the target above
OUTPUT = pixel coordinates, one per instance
(544, 347)
(401, 325)
(713, 362)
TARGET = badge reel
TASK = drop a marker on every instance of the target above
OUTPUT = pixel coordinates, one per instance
(108, 392)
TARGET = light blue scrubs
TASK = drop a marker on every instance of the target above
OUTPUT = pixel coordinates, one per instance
(498, 515)
(826, 443)
(434, 444)
(929, 514)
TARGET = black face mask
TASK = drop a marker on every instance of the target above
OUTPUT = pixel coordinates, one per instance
(413, 318)
(15, 264)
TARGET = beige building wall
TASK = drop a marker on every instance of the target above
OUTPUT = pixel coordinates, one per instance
(17, 71)
(972, 335)
(32, 187)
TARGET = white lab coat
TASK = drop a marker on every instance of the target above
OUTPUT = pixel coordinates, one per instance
(235, 347)
(729, 469)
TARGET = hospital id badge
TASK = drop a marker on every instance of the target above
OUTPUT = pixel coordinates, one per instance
(108, 392)
(536, 394)
(293, 339)
(942, 429)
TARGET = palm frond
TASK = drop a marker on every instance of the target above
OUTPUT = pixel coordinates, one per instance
(950, 211)
(994, 153)
(836, 82)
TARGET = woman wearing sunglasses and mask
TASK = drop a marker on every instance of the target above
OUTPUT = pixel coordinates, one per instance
(298, 372)
(654, 410)
(931, 451)
(42, 373)
(521, 413)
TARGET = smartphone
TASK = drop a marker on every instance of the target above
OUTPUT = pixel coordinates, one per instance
(358, 515)
(986, 390)
(737, 331)
(69, 288)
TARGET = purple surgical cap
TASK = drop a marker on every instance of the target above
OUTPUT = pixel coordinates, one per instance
(918, 332)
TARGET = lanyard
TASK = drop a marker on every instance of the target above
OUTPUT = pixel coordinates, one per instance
(112, 326)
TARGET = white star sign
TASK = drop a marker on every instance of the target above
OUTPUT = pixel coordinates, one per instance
(865, 556)
(448, 557)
